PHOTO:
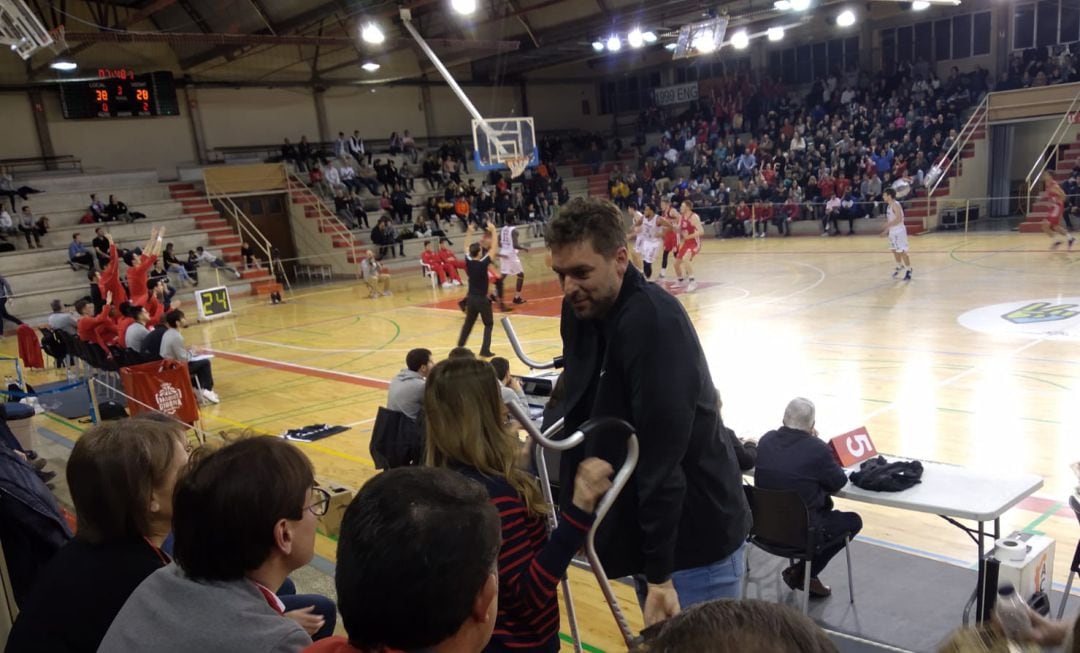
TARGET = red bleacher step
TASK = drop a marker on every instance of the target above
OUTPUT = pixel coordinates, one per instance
(1030, 227)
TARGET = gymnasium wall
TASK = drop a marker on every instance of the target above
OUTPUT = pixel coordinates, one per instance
(560, 107)
(254, 116)
(19, 136)
(1029, 139)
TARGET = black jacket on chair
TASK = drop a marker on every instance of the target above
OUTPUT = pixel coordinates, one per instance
(790, 459)
(396, 440)
(684, 507)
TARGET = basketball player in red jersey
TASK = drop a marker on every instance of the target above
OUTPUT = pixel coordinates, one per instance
(669, 220)
(1053, 193)
(690, 232)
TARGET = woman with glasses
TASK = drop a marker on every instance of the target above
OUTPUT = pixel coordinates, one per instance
(466, 432)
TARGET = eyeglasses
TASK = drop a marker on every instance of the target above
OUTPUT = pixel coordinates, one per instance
(321, 504)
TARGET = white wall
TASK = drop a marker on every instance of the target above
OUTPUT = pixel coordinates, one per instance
(1029, 141)
(375, 111)
(560, 107)
(256, 116)
(20, 136)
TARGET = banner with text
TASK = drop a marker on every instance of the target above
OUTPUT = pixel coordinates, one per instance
(679, 94)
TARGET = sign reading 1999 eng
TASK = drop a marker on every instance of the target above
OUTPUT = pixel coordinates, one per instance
(213, 302)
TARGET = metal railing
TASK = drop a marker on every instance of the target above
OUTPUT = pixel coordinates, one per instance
(1049, 152)
(337, 227)
(952, 157)
(247, 229)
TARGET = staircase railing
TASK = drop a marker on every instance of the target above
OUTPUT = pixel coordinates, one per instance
(248, 231)
(1050, 151)
(326, 213)
(952, 157)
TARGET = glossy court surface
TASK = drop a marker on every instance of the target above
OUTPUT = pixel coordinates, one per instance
(816, 317)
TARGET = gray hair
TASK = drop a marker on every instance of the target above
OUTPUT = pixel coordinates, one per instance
(800, 414)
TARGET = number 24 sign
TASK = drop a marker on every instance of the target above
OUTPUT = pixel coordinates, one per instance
(853, 447)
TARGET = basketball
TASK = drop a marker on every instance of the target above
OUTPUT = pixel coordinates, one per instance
(902, 188)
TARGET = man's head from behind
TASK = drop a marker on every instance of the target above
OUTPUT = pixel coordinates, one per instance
(418, 541)
(419, 360)
(800, 414)
(588, 252)
(502, 368)
(245, 507)
(727, 626)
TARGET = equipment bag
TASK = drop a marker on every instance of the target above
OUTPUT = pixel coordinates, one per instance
(880, 475)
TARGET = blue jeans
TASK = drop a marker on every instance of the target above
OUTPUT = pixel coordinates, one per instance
(722, 579)
(323, 607)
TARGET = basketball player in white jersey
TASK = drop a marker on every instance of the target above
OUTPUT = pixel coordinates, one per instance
(509, 263)
(648, 242)
(897, 233)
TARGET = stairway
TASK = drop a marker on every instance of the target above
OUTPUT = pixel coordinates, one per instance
(221, 236)
(336, 234)
(918, 208)
(1068, 157)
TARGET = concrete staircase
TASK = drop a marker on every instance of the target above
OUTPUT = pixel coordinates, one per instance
(1068, 157)
(920, 206)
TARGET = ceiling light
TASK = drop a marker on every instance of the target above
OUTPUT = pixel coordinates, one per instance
(614, 44)
(704, 42)
(740, 39)
(372, 34)
(846, 18)
(464, 7)
(920, 5)
(635, 39)
(800, 5)
(781, 5)
(671, 46)
(650, 37)
(775, 33)
(63, 65)
(370, 66)
(598, 46)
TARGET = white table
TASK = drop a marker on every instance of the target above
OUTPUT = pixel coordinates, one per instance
(953, 492)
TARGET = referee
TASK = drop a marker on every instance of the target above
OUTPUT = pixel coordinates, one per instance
(630, 352)
(477, 301)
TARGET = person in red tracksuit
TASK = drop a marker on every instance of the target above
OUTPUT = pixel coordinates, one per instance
(433, 261)
(101, 328)
(450, 262)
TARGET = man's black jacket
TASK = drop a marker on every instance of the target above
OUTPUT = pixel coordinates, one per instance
(684, 507)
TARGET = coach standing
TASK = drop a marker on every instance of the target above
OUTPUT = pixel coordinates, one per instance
(631, 352)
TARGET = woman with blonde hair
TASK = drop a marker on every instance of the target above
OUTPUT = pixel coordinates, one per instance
(466, 432)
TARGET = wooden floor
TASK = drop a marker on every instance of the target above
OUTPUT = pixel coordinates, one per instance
(809, 316)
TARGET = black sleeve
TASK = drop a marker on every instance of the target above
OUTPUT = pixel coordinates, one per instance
(831, 476)
(745, 453)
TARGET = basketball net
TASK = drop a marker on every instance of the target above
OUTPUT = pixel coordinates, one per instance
(517, 164)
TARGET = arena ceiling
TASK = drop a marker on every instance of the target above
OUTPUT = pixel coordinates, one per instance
(266, 41)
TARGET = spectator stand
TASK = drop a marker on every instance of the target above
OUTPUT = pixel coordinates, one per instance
(1053, 154)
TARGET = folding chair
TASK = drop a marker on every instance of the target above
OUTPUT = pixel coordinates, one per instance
(427, 271)
(1074, 569)
(782, 528)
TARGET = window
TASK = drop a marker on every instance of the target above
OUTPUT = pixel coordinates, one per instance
(943, 40)
(804, 73)
(836, 55)
(903, 44)
(789, 66)
(851, 53)
(961, 36)
(776, 65)
(1046, 23)
(1070, 22)
(820, 60)
(1024, 27)
(888, 49)
(982, 34)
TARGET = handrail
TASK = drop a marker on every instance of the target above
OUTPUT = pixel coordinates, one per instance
(248, 231)
(953, 154)
(1043, 162)
(326, 213)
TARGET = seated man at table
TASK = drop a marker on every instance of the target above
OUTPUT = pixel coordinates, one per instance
(793, 458)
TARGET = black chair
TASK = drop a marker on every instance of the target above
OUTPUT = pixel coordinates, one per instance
(1074, 569)
(782, 528)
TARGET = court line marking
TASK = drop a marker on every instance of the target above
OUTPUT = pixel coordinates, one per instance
(344, 377)
(361, 351)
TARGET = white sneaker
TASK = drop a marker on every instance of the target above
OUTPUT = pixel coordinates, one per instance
(825, 234)
(238, 275)
(387, 294)
(456, 282)
(446, 284)
(692, 286)
(678, 283)
(211, 396)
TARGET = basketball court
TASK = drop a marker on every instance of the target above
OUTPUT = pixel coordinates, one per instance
(778, 318)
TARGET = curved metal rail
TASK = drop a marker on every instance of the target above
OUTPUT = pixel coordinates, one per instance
(511, 335)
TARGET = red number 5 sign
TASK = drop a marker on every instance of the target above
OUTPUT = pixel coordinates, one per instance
(853, 447)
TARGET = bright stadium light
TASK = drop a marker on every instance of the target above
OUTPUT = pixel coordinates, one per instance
(614, 44)
(63, 65)
(920, 5)
(370, 66)
(671, 46)
(463, 7)
(781, 5)
(775, 34)
(740, 39)
(650, 37)
(846, 18)
(598, 46)
(372, 34)
(635, 39)
(800, 5)
(704, 43)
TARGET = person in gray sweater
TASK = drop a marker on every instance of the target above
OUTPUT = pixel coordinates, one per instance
(244, 517)
(172, 348)
(406, 392)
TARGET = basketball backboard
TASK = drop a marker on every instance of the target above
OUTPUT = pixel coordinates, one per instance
(504, 139)
(700, 38)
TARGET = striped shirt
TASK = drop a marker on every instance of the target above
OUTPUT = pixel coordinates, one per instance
(530, 568)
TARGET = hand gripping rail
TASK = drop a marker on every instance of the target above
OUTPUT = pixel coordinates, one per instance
(546, 440)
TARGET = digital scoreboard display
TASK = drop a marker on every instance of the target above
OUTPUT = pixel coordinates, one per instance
(120, 93)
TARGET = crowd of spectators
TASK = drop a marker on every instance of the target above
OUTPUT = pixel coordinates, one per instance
(751, 153)
(1040, 67)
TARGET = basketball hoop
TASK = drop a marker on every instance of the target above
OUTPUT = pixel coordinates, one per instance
(517, 165)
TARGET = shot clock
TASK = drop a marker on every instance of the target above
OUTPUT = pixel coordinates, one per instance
(213, 302)
(120, 93)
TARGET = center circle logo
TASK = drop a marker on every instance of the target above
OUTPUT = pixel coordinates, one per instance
(1054, 319)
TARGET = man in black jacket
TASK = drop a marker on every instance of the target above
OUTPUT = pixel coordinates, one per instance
(631, 352)
(793, 458)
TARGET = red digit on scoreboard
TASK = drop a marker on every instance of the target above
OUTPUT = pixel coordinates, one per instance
(146, 106)
(105, 107)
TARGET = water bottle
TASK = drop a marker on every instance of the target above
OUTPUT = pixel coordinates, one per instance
(70, 376)
(1012, 611)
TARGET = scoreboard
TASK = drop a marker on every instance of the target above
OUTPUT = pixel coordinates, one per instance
(120, 93)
